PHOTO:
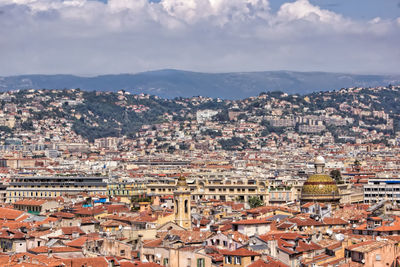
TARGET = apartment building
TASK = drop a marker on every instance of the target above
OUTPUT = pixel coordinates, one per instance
(49, 187)
(379, 189)
(219, 189)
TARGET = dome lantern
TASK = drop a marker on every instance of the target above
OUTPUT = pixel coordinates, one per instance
(319, 164)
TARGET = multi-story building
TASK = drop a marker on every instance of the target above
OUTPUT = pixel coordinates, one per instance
(379, 189)
(225, 190)
(126, 190)
(50, 187)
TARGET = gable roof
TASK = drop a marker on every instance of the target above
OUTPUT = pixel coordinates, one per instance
(10, 214)
(240, 252)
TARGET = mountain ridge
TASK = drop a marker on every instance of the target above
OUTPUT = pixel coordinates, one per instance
(171, 83)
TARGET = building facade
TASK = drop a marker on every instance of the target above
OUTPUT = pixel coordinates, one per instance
(379, 189)
(49, 187)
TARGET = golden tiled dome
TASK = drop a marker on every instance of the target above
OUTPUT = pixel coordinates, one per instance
(181, 181)
(319, 185)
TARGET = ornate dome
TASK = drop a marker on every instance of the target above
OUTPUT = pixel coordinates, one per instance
(319, 185)
(181, 181)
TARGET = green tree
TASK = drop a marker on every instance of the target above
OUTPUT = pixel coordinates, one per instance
(255, 202)
(357, 165)
(335, 174)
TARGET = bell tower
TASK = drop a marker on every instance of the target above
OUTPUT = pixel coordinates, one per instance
(182, 207)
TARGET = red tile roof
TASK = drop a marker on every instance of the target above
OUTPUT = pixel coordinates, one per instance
(269, 263)
(96, 261)
(10, 214)
(241, 252)
(44, 249)
(252, 222)
(30, 202)
(334, 221)
(72, 229)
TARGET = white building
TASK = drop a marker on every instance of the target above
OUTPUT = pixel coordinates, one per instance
(379, 189)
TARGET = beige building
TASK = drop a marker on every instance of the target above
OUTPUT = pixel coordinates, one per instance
(41, 187)
(225, 190)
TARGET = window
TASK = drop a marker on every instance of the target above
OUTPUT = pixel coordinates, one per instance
(201, 262)
(189, 262)
(165, 262)
(186, 206)
(378, 257)
(228, 260)
(238, 260)
(122, 252)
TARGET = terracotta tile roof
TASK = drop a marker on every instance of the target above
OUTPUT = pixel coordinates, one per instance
(303, 221)
(44, 249)
(72, 229)
(241, 252)
(389, 226)
(281, 235)
(30, 202)
(113, 223)
(188, 236)
(14, 225)
(11, 234)
(117, 208)
(39, 233)
(10, 214)
(143, 264)
(152, 243)
(80, 242)
(90, 211)
(236, 236)
(269, 263)
(252, 222)
(267, 209)
(28, 259)
(334, 221)
(96, 261)
(65, 215)
(88, 220)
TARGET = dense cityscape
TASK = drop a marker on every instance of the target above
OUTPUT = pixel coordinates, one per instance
(116, 179)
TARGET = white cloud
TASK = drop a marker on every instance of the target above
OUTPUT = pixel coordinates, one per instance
(304, 10)
(84, 36)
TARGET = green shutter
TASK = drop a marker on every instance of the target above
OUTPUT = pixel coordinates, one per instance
(200, 262)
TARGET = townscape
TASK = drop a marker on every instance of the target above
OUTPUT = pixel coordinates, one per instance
(116, 179)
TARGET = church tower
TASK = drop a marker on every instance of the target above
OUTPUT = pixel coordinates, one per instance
(182, 208)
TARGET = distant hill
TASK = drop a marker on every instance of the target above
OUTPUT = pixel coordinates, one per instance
(175, 83)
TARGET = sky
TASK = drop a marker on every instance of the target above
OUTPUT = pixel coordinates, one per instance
(90, 37)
